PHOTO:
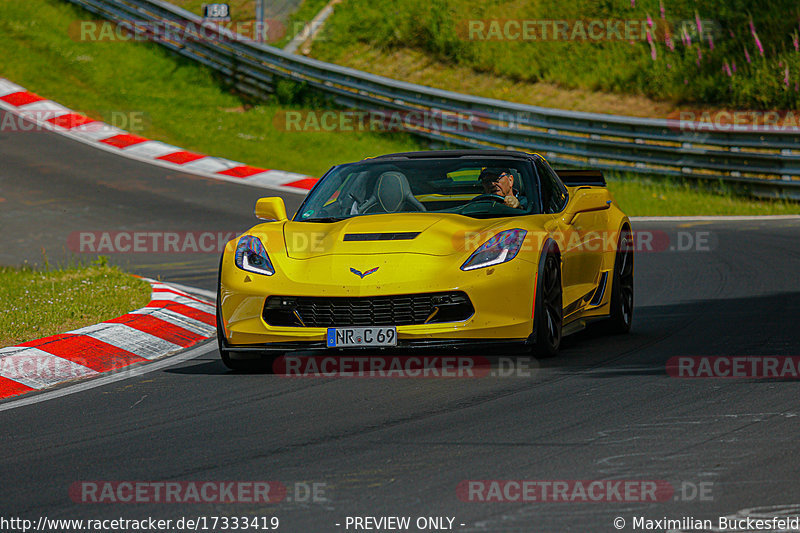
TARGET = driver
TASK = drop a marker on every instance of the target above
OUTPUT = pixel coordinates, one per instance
(500, 181)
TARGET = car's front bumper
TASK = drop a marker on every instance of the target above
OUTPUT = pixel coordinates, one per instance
(502, 297)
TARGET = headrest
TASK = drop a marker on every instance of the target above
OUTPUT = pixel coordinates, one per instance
(391, 190)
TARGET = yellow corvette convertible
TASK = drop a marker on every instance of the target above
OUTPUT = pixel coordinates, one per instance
(428, 249)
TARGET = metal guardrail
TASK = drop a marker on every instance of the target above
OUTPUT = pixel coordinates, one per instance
(766, 161)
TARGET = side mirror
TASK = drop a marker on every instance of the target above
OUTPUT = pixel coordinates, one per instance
(271, 208)
(586, 201)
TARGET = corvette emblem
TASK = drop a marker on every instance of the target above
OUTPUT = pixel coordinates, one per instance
(367, 273)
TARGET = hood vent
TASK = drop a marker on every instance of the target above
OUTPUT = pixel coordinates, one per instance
(402, 236)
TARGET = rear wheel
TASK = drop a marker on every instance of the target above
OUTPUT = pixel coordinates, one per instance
(621, 315)
(549, 313)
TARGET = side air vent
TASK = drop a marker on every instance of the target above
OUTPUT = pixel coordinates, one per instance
(402, 236)
(601, 289)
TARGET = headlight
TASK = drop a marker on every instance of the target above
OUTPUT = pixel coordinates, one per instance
(252, 257)
(499, 249)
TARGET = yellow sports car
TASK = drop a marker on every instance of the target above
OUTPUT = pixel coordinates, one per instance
(429, 249)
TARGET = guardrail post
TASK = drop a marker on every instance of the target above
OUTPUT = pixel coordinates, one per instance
(261, 26)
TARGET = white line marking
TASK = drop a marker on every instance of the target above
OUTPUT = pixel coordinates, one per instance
(96, 131)
(182, 300)
(43, 108)
(42, 116)
(211, 164)
(270, 178)
(168, 294)
(109, 378)
(193, 290)
(7, 87)
(716, 218)
(150, 149)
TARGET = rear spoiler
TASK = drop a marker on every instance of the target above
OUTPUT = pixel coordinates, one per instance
(575, 178)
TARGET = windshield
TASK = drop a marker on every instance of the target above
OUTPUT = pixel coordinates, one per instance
(480, 188)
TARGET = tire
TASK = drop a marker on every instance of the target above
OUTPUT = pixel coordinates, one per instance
(621, 312)
(549, 314)
(258, 364)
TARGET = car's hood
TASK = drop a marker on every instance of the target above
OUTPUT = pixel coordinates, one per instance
(423, 233)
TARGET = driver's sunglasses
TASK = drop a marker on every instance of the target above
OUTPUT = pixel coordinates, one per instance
(501, 176)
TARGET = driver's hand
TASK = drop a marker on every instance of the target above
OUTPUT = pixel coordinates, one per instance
(511, 201)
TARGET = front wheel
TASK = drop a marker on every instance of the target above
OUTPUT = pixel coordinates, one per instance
(243, 365)
(549, 314)
(262, 364)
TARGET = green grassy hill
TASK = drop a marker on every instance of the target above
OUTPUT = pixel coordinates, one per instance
(726, 61)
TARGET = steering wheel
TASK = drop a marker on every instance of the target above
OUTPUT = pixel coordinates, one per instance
(493, 197)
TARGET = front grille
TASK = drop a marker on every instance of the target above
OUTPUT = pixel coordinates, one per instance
(398, 310)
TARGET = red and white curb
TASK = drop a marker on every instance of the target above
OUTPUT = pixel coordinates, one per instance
(172, 321)
(57, 118)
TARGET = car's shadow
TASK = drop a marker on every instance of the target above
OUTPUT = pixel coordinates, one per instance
(754, 326)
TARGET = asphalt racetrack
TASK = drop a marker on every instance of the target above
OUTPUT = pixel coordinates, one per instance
(604, 409)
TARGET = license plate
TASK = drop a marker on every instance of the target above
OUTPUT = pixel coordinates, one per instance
(353, 337)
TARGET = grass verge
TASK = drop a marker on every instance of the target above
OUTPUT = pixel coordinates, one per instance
(639, 196)
(416, 66)
(40, 303)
